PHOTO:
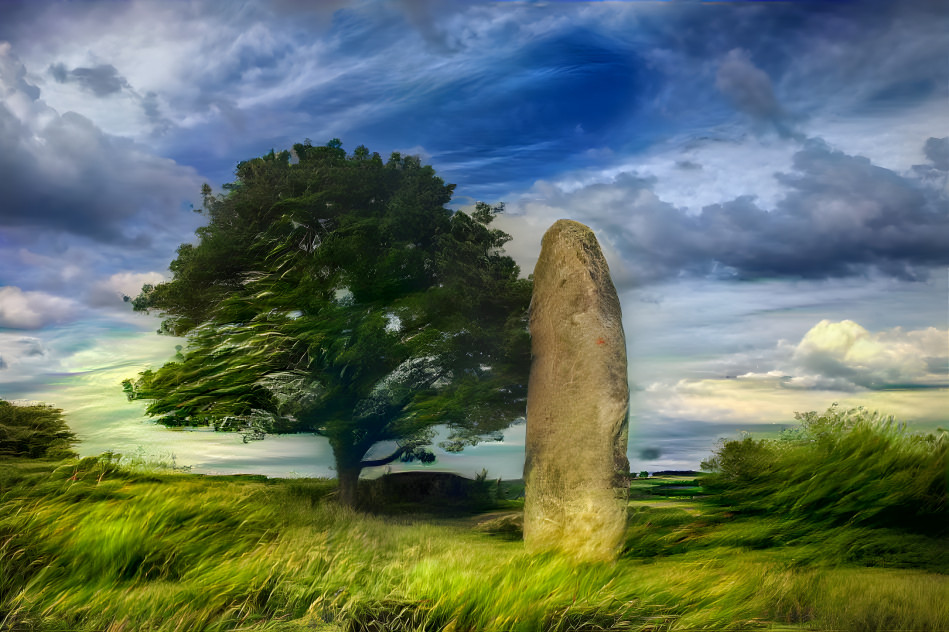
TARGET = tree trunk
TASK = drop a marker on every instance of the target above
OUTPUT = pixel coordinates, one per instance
(349, 467)
(348, 477)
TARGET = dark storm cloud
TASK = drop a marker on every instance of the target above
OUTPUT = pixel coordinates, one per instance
(841, 216)
(937, 151)
(747, 86)
(65, 174)
(100, 80)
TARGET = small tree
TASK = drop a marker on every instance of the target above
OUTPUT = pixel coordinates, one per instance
(34, 431)
(338, 295)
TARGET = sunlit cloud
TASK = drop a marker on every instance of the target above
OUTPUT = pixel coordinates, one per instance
(848, 354)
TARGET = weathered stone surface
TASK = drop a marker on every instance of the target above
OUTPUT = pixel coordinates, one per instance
(577, 401)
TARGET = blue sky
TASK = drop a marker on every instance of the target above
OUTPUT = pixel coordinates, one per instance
(768, 181)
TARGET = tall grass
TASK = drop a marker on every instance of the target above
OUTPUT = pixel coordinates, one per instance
(101, 547)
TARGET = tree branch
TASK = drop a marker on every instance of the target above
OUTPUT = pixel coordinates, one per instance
(385, 460)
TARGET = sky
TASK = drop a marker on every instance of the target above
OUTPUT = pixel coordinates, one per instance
(768, 181)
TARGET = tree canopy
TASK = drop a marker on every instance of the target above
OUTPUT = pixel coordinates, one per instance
(336, 294)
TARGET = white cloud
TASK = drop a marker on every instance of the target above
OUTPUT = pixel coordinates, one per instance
(898, 371)
(110, 292)
(846, 353)
(33, 310)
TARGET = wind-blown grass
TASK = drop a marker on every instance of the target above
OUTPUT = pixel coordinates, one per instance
(842, 467)
(99, 547)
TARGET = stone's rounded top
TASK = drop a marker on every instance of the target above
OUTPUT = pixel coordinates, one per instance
(568, 229)
(570, 248)
(568, 224)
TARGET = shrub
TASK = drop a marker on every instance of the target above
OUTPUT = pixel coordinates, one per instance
(35, 431)
(839, 467)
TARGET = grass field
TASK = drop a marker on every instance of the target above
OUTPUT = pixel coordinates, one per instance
(92, 545)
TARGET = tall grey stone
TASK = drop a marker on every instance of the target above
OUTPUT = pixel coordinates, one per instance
(577, 401)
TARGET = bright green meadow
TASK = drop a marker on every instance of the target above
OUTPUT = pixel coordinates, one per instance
(109, 544)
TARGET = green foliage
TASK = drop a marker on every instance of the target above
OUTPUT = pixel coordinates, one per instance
(35, 431)
(338, 295)
(841, 467)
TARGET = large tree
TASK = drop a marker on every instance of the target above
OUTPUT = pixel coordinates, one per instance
(336, 294)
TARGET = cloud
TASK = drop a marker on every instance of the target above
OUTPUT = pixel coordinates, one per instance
(840, 216)
(747, 86)
(62, 173)
(843, 354)
(101, 80)
(840, 356)
(896, 371)
(421, 14)
(750, 90)
(111, 291)
(21, 355)
(33, 310)
(937, 151)
(30, 347)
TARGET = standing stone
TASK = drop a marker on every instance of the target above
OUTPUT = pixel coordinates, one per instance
(577, 401)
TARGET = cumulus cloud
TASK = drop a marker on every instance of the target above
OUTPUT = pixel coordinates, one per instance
(842, 354)
(845, 356)
(62, 173)
(33, 310)
(897, 371)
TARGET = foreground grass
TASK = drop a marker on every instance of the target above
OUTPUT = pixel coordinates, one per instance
(96, 547)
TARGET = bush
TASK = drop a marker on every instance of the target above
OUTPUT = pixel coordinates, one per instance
(841, 467)
(36, 431)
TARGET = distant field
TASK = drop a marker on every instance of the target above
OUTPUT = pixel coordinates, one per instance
(100, 547)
